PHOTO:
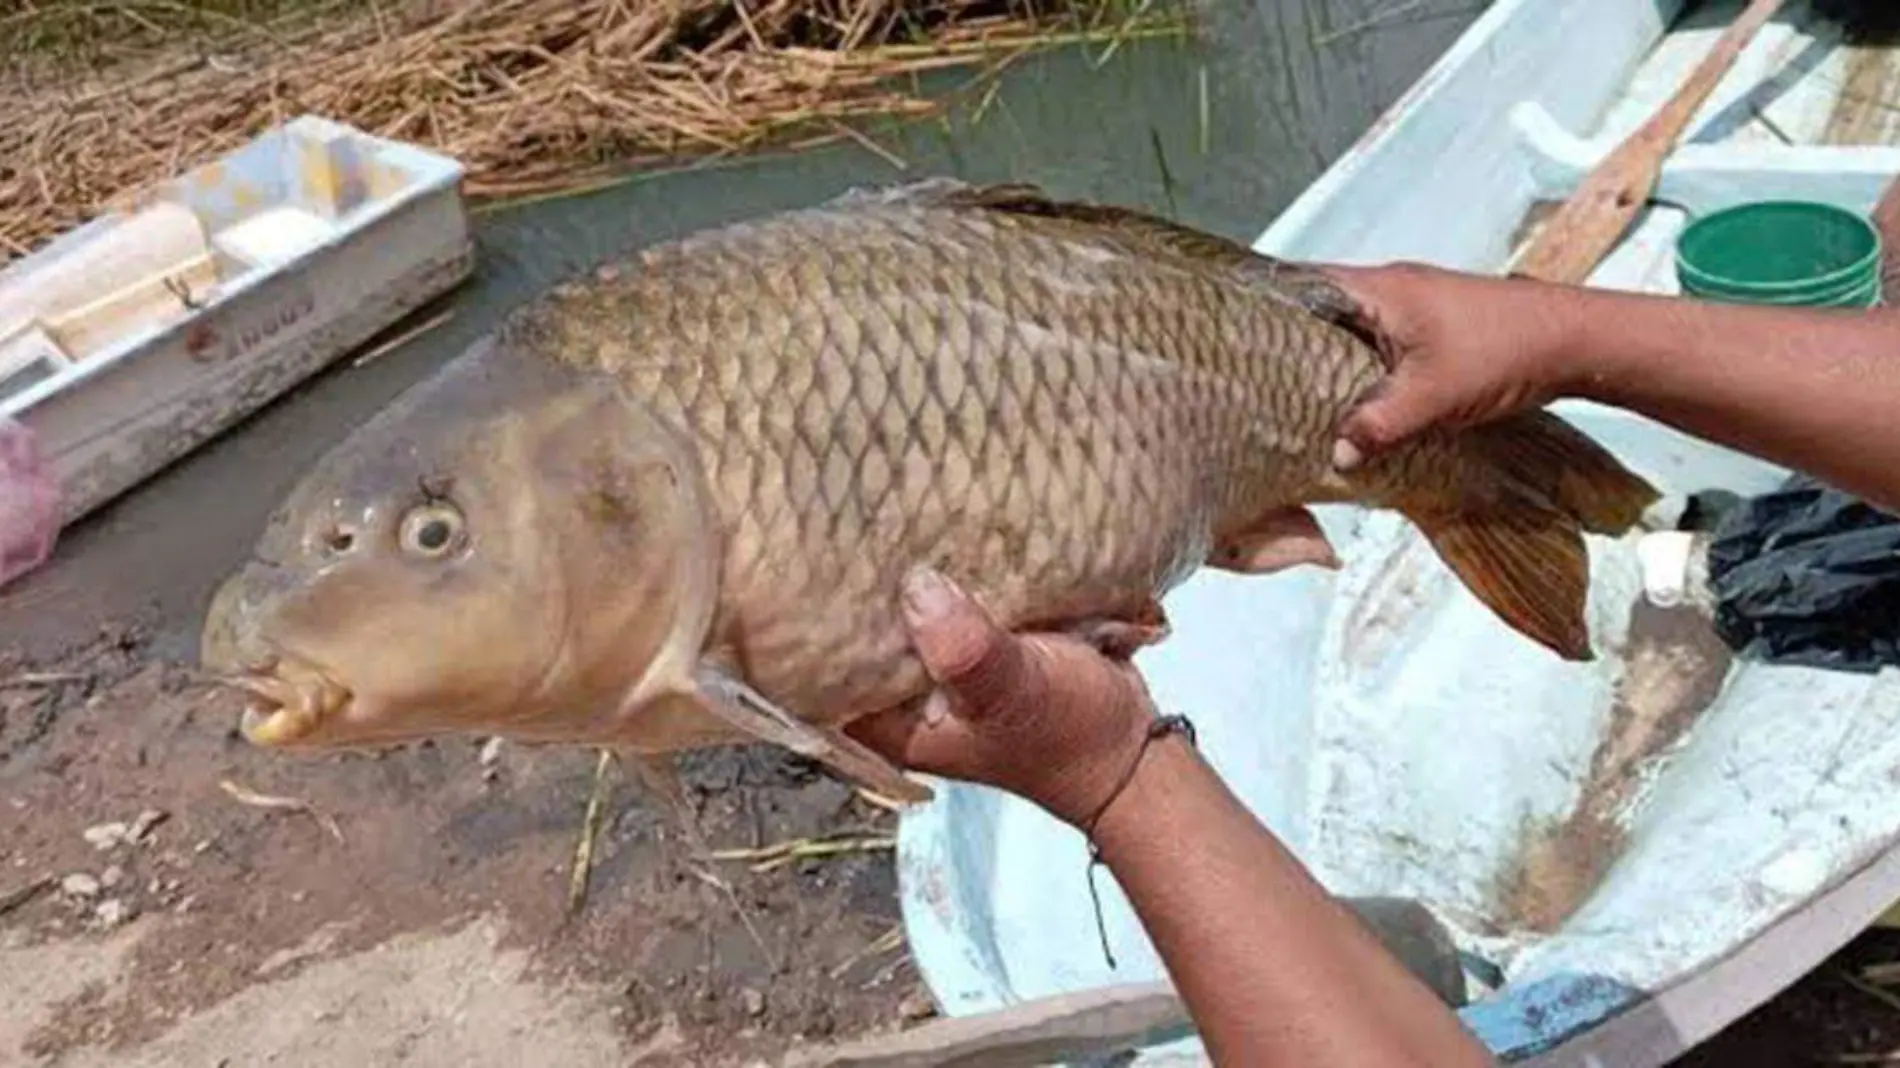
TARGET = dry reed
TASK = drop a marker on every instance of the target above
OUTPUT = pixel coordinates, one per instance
(534, 96)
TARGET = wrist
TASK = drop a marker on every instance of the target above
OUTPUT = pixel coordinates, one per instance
(1564, 358)
(1077, 789)
(1130, 818)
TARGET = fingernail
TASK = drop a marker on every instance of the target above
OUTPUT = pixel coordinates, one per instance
(936, 707)
(928, 595)
(1346, 455)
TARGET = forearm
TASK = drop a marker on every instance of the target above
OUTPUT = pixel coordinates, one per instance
(1813, 390)
(1273, 968)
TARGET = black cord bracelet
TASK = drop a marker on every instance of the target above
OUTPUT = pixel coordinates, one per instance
(1160, 728)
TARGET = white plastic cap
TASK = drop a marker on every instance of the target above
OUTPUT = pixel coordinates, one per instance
(1665, 557)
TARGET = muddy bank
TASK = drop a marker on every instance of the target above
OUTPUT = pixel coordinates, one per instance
(166, 903)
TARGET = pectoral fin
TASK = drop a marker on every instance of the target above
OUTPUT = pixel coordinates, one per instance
(1275, 542)
(745, 709)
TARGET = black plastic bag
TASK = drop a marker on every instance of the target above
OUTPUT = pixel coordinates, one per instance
(1805, 575)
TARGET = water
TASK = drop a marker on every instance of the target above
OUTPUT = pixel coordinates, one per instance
(1220, 133)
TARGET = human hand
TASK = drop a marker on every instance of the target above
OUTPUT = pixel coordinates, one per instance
(1462, 349)
(1043, 716)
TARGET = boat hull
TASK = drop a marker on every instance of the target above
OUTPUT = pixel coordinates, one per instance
(118, 416)
(1398, 740)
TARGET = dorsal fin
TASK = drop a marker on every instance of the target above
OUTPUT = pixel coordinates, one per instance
(1296, 283)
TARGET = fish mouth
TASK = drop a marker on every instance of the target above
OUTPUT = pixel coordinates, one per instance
(283, 711)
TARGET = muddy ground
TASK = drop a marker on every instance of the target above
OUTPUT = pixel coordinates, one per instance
(157, 909)
(162, 905)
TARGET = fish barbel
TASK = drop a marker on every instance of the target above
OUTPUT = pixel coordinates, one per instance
(671, 505)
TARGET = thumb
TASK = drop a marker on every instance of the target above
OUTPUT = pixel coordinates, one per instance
(966, 652)
(1400, 406)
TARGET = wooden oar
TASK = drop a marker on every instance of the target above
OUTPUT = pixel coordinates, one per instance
(1600, 212)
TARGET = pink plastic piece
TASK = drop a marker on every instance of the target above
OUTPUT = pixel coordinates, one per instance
(29, 503)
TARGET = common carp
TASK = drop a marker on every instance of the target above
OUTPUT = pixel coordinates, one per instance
(670, 505)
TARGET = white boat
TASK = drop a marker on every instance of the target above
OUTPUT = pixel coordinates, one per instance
(1742, 845)
(140, 335)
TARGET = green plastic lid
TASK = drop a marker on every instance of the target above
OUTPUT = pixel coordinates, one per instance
(1791, 252)
(1868, 296)
(1852, 291)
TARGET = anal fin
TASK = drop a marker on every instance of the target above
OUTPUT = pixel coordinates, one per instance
(1276, 541)
(749, 711)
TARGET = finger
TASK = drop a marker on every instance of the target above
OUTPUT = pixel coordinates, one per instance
(1331, 293)
(889, 733)
(909, 738)
(980, 663)
(1395, 411)
(1351, 279)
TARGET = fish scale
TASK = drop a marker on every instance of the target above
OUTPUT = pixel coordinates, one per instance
(1035, 357)
(693, 482)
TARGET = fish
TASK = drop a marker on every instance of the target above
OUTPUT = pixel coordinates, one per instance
(669, 504)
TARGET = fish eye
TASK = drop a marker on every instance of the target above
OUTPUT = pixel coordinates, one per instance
(431, 531)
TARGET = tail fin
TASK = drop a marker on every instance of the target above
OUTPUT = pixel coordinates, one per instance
(1520, 549)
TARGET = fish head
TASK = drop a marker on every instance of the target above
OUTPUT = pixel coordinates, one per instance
(510, 548)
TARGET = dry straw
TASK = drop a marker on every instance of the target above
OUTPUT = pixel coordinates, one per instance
(534, 96)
